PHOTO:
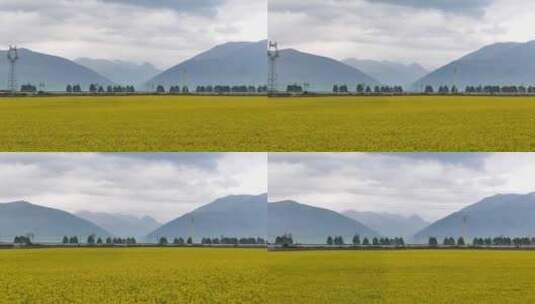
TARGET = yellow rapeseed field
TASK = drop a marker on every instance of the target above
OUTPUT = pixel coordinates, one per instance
(188, 275)
(404, 277)
(194, 123)
(135, 275)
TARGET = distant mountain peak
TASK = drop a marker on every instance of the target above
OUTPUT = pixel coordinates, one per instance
(388, 72)
(497, 215)
(245, 63)
(47, 224)
(503, 63)
(232, 216)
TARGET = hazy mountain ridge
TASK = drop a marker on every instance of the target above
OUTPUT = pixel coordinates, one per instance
(388, 224)
(319, 72)
(46, 224)
(510, 215)
(52, 71)
(232, 63)
(121, 225)
(312, 225)
(121, 72)
(231, 216)
(389, 72)
(507, 63)
(236, 63)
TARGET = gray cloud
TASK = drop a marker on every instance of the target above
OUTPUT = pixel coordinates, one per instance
(160, 185)
(432, 33)
(163, 33)
(455, 6)
(429, 185)
(197, 6)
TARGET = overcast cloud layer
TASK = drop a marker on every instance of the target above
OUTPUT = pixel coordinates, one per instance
(160, 185)
(430, 32)
(429, 185)
(163, 32)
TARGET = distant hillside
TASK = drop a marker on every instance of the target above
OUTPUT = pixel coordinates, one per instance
(46, 224)
(121, 225)
(388, 72)
(321, 73)
(51, 71)
(500, 215)
(497, 64)
(121, 72)
(231, 216)
(246, 63)
(390, 225)
(231, 63)
(311, 225)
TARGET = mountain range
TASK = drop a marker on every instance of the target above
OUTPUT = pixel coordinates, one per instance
(53, 72)
(237, 63)
(231, 216)
(121, 72)
(388, 224)
(312, 225)
(389, 72)
(510, 215)
(121, 225)
(509, 63)
(46, 224)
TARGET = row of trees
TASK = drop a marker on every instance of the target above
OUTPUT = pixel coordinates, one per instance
(487, 89)
(496, 241)
(28, 88)
(448, 241)
(504, 241)
(501, 89)
(284, 240)
(95, 88)
(233, 241)
(366, 89)
(218, 89)
(163, 241)
(221, 89)
(339, 240)
(22, 240)
(93, 240)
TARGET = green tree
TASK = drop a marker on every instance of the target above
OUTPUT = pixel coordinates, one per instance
(356, 240)
(163, 241)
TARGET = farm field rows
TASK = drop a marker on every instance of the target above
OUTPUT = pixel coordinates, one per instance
(195, 123)
(427, 276)
(138, 275)
(178, 275)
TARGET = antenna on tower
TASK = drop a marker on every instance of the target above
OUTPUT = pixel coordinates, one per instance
(12, 57)
(273, 55)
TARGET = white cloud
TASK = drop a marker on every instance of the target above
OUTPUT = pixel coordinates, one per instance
(155, 33)
(160, 185)
(432, 33)
(430, 185)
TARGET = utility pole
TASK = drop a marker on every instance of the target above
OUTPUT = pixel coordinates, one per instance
(12, 57)
(273, 55)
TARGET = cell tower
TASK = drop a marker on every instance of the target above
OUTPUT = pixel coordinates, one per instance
(273, 55)
(12, 57)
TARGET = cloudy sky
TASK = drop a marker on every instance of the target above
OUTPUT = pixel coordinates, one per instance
(430, 32)
(160, 185)
(163, 32)
(429, 185)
